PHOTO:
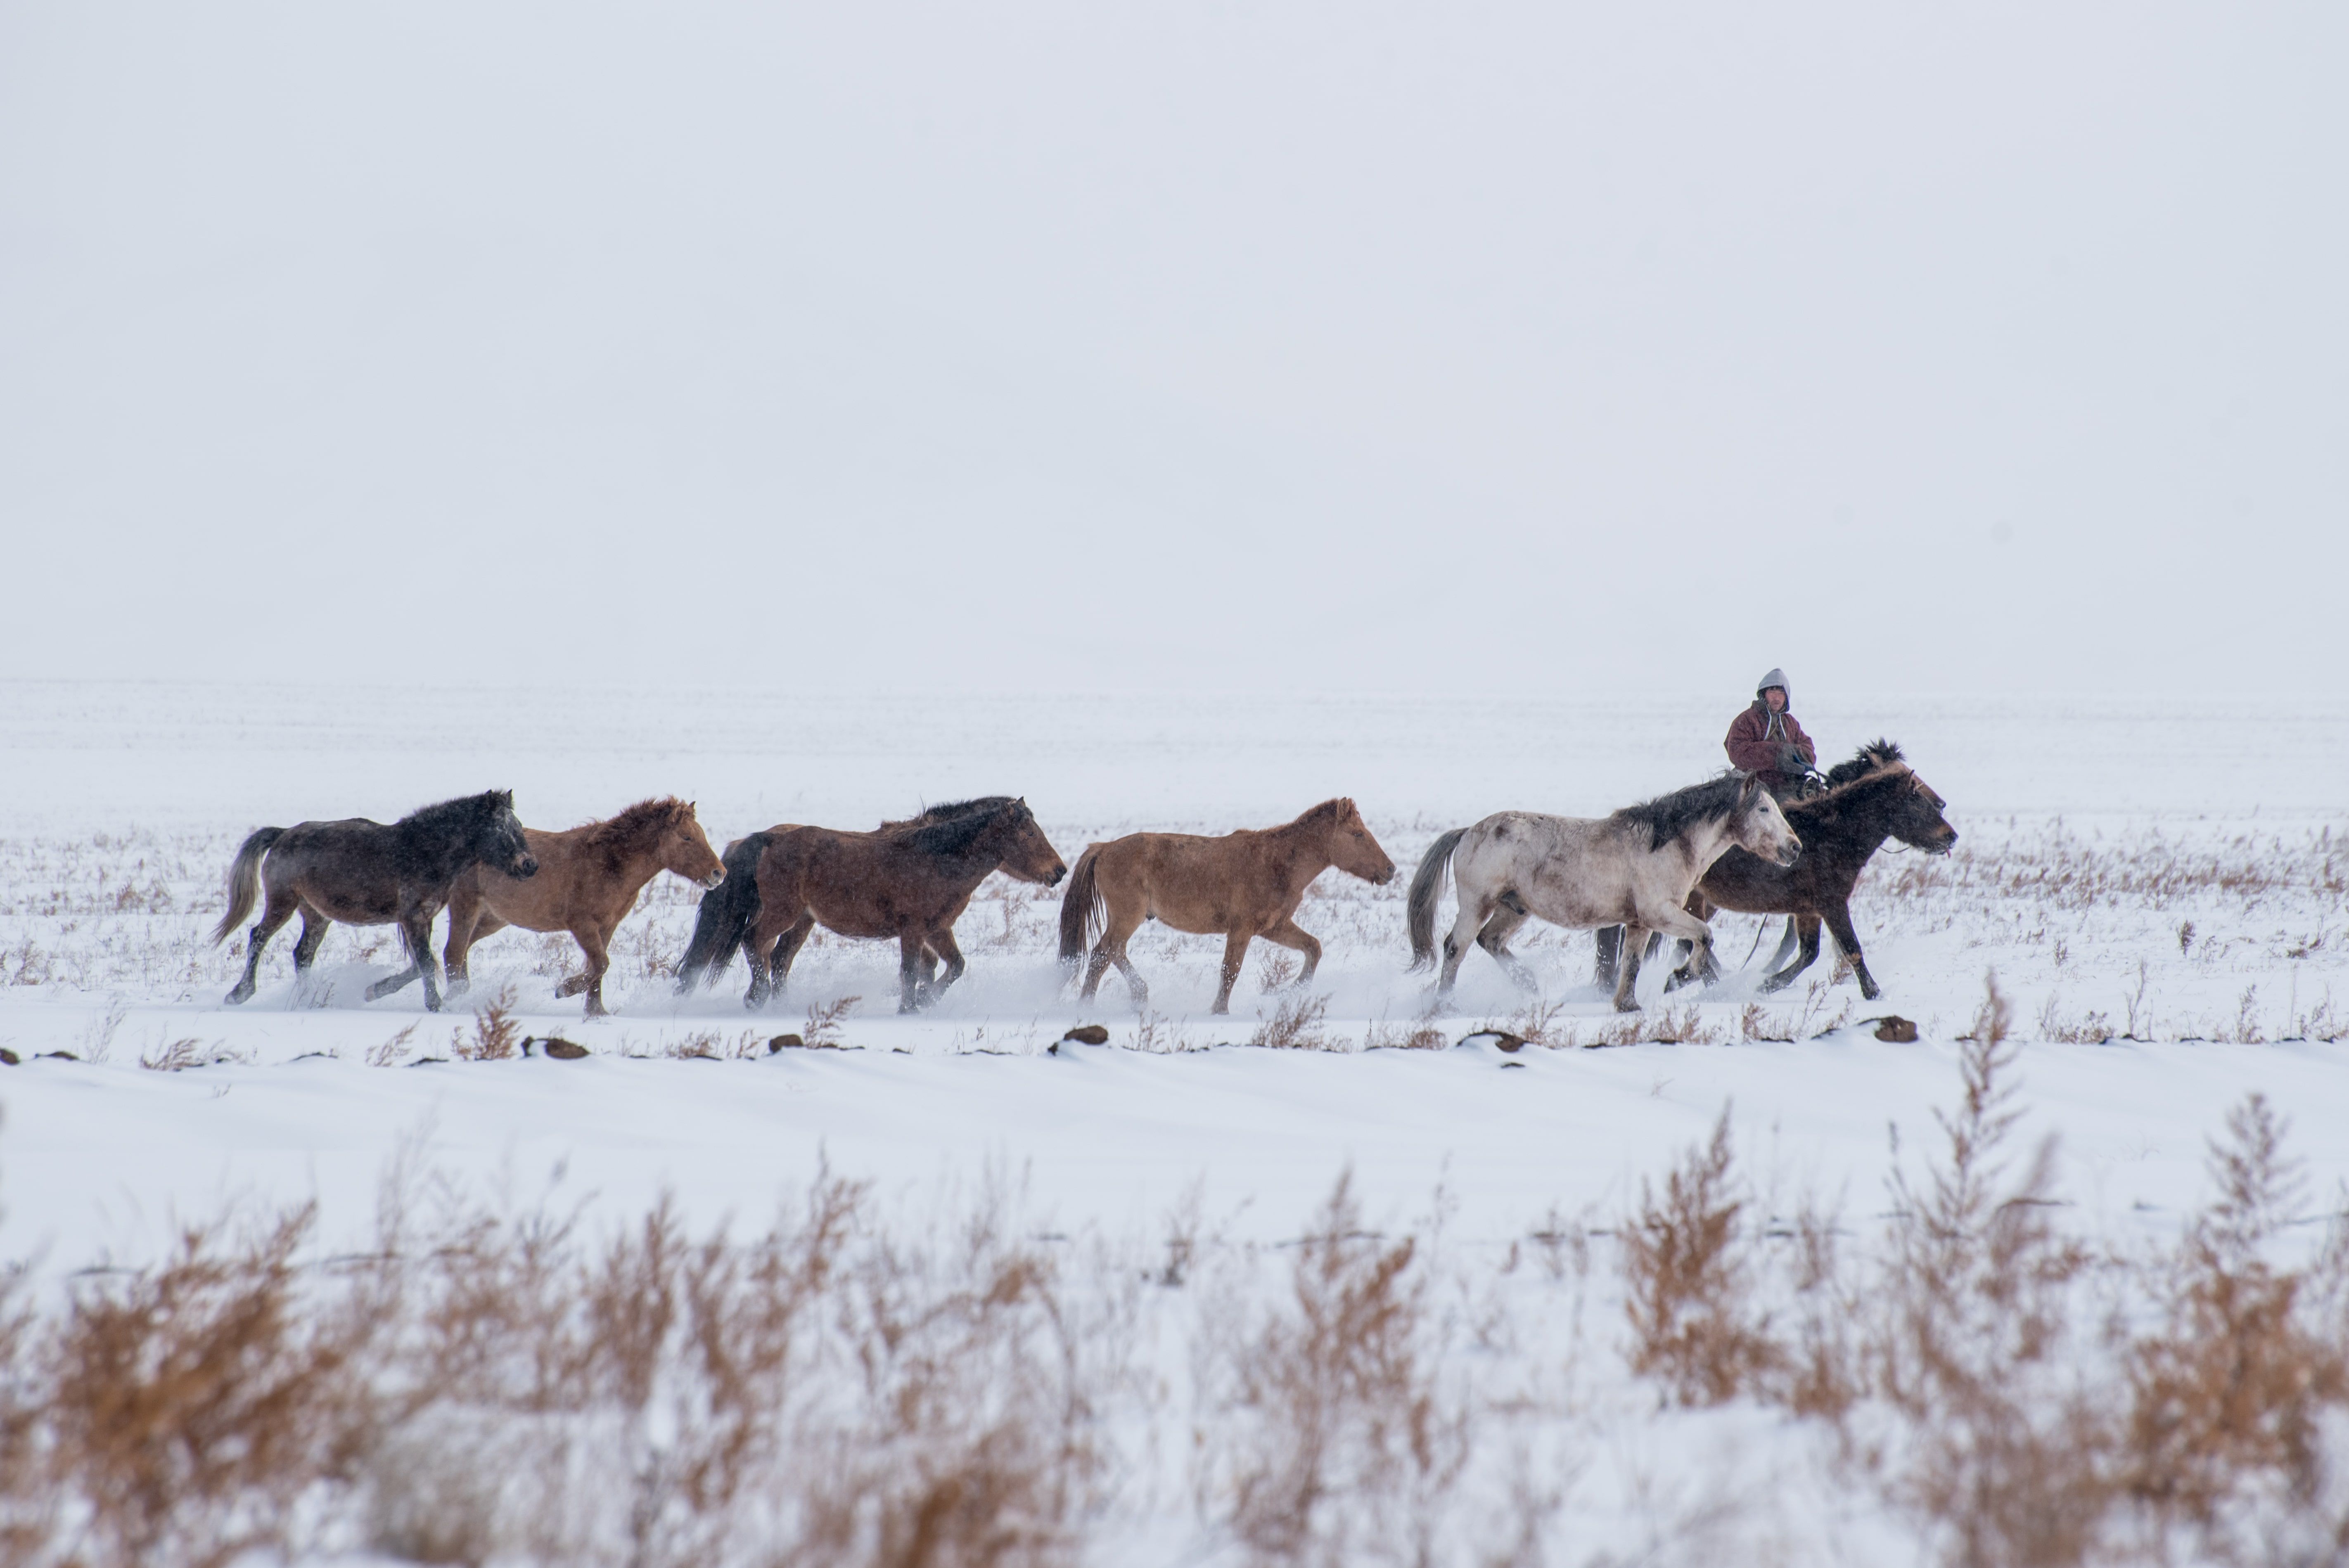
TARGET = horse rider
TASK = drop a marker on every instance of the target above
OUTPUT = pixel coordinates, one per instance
(1766, 739)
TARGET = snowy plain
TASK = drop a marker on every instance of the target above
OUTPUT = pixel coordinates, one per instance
(2172, 871)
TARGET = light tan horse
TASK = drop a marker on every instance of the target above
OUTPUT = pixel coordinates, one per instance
(1241, 886)
(587, 882)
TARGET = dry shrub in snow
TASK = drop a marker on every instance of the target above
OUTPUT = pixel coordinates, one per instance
(1296, 1026)
(1336, 1443)
(1687, 1287)
(496, 1036)
(2024, 1398)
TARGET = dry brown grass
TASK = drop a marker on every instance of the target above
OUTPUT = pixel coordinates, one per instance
(824, 1020)
(482, 1386)
(497, 1035)
(1688, 1290)
(1296, 1026)
(1339, 1445)
(1999, 1379)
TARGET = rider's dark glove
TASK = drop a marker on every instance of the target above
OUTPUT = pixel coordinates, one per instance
(1792, 761)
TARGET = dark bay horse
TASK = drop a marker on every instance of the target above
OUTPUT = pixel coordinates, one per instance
(909, 880)
(1635, 867)
(365, 874)
(1241, 886)
(587, 882)
(1873, 797)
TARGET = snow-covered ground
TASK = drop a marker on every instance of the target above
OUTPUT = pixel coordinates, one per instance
(2161, 889)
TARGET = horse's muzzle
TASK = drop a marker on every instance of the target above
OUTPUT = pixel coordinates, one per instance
(1058, 872)
(1790, 853)
(526, 867)
(710, 881)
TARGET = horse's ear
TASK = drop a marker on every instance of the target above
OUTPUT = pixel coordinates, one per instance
(1748, 790)
(506, 796)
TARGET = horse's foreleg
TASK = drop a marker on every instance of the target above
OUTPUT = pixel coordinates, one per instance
(1677, 922)
(1236, 946)
(1807, 953)
(272, 919)
(1839, 926)
(419, 958)
(416, 934)
(1287, 934)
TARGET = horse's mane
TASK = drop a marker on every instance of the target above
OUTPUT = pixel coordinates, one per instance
(460, 815)
(1868, 758)
(1878, 764)
(1667, 817)
(631, 832)
(1330, 811)
(949, 829)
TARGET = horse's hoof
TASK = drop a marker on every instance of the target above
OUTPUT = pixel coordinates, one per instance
(1626, 1006)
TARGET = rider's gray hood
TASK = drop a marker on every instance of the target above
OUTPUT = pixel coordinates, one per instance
(1775, 678)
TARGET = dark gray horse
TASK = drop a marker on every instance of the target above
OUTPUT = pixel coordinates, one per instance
(365, 874)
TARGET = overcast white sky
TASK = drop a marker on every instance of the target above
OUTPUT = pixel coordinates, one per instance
(1524, 346)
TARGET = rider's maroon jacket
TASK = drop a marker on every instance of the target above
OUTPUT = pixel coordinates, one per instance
(1747, 748)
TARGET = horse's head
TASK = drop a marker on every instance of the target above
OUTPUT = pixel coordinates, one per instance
(1027, 853)
(1759, 828)
(500, 844)
(1353, 851)
(685, 850)
(1917, 820)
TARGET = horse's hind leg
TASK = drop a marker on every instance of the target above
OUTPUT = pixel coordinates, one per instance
(1610, 953)
(1287, 934)
(273, 916)
(1627, 973)
(794, 938)
(909, 968)
(1236, 946)
(1495, 940)
(314, 924)
(1109, 950)
(592, 941)
(942, 941)
(1466, 925)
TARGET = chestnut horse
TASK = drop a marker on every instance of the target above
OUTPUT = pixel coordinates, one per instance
(1636, 866)
(909, 880)
(1873, 797)
(364, 873)
(587, 882)
(1241, 886)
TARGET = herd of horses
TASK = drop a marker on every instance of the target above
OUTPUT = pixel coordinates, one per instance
(1648, 873)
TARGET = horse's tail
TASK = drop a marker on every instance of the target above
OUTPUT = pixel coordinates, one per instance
(244, 879)
(1426, 887)
(728, 912)
(1080, 904)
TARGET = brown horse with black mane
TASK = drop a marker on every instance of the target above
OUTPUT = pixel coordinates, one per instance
(1873, 797)
(587, 882)
(909, 880)
(1239, 887)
